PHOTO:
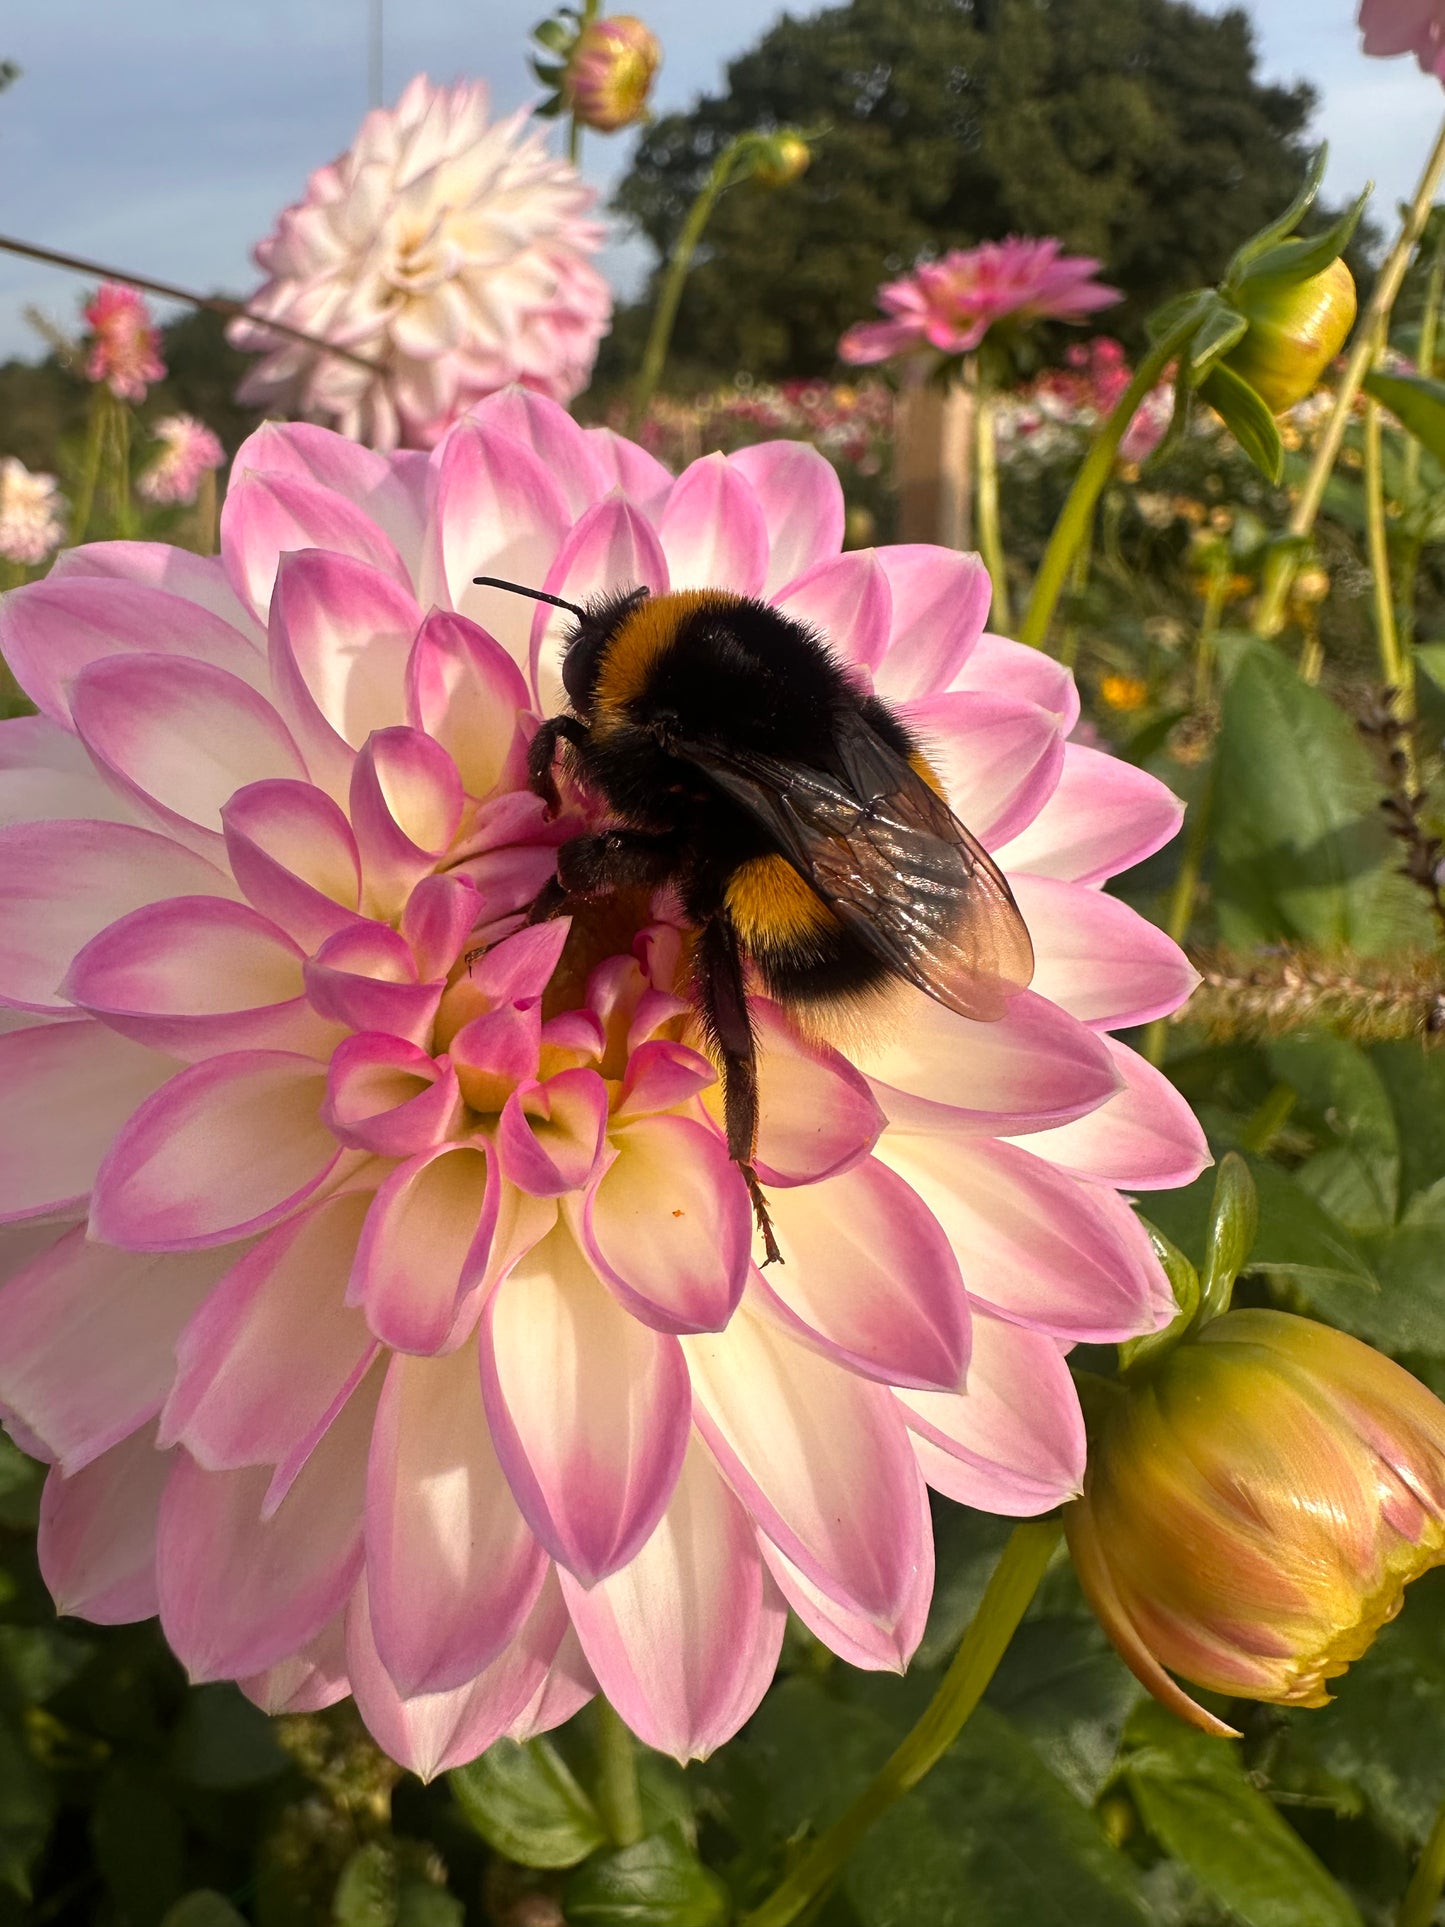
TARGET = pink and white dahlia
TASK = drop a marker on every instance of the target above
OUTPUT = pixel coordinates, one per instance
(451, 252)
(124, 348)
(950, 304)
(32, 513)
(188, 451)
(1406, 27)
(380, 1289)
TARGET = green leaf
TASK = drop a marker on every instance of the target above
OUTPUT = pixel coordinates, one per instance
(1063, 1687)
(1233, 1222)
(1301, 850)
(225, 1741)
(1289, 262)
(139, 1844)
(26, 1810)
(1247, 418)
(36, 1661)
(1195, 1798)
(204, 1908)
(1407, 1313)
(524, 1801)
(20, 1482)
(1220, 327)
(657, 1883)
(1418, 401)
(1357, 1177)
(1287, 222)
(366, 1892)
(1414, 1083)
(1297, 1240)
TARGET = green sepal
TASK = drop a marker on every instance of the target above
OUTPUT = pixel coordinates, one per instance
(1302, 255)
(1418, 401)
(1166, 318)
(1247, 418)
(1267, 237)
(1184, 1283)
(1220, 327)
(1233, 1222)
(556, 35)
(547, 71)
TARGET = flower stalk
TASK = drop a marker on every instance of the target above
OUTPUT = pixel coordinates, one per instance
(1397, 669)
(1417, 1909)
(1006, 1599)
(619, 1796)
(990, 534)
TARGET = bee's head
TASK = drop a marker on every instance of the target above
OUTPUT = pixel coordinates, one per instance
(597, 625)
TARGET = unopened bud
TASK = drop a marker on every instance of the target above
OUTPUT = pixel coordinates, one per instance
(609, 72)
(1295, 331)
(1255, 1503)
(781, 158)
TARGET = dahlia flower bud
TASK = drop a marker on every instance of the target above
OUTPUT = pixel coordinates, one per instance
(1256, 1500)
(610, 71)
(1295, 331)
(781, 158)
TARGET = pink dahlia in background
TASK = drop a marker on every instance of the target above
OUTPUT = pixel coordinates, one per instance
(1406, 27)
(950, 304)
(124, 349)
(390, 1320)
(32, 513)
(188, 450)
(451, 252)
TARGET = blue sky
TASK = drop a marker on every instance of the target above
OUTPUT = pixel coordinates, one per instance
(163, 135)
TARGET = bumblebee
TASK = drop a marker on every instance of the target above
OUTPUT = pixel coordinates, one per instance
(796, 818)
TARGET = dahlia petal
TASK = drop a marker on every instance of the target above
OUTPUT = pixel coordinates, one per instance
(1098, 959)
(432, 1732)
(1013, 1440)
(225, 1148)
(999, 758)
(1104, 817)
(199, 579)
(466, 692)
(97, 1539)
(87, 1343)
(365, 976)
(388, 1096)
(240, 1592)
(62, 882)
(494, 1054)
(309, 1681)
(612, 547)
(846, 600)
(196, 976)
(589, 1409)
(452, 1571)
(1035, 1246)
(640, 476)
(45, 774)
(68, 1089)
(1145, 1138)
(817, 1115)
(343, 629)
(869, 1279)
(267, 515)
(1034, 1068)
(684, 1640)
(549, 1136)
(372, 483)
(570, 454)
(426, 1242)
(940, 603)
(51, 630)
(669, 1225)
(521, 965)
(877, 1645)
(820, 1459)
(997, 666)
(179, 737)
(292, 851)
(273, 1354)
(712, 530)
(440, 915)
(659, 1077)
(406, 803)
(568, 1687)
(801, 498)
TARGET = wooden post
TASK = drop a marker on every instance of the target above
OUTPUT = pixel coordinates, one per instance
(933, 465)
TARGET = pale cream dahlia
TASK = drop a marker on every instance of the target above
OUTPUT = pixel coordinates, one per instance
(392, 1324)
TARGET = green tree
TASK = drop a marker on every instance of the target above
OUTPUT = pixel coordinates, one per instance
(1137, 130)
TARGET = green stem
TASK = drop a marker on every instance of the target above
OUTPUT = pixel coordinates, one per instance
(1417, 1909)
(1079, 572)
(654, 355)
(990, 534)
(1377, 540)
(1204, 650)
(574, 140)
(619, 1797)
(1269, 617)
(95, 438)
(1015, 1581)
(1098, 465)
(1429, 331)
(1182, 897)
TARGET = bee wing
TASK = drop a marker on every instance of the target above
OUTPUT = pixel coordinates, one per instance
(892, 861)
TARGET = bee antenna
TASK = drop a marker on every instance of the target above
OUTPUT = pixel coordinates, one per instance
(537, 595)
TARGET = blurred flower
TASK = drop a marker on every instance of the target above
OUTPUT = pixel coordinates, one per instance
(1149, 426)
(951, 304)
(188, 451)
(609, 72)
(1406, 27)
(781, 159)
(124, 345)
(451, 252)
(1124, 693)
(391, 1323)
(32, 513)
(1254, 1506)
(1295, 332)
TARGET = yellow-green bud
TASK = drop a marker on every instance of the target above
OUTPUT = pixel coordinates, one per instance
(781, 158)
(610, 71)
(1255, 1504)
(1295, 332)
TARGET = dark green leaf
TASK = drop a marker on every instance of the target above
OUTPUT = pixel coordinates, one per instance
(1169, 314)
(204, 1908)
(1357, 1178)
(1291, 261)
(1195, 1798)
(1247, 418)
(1419, 403)
(658, 1883)
(1062, 1685)
(139, 1845)
(26, 1808)
(421, 1903)
(36, 1661)
(20, 1482)
(524, 1802)
(1220, 327)
(1414, 1083)
(1287, 222)
(225, 1741)
(1297, 1238)
(1407, 1313)
(366, 1893)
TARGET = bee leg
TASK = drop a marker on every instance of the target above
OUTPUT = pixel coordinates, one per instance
(542, 754)
(590, 866)
(723, 1002)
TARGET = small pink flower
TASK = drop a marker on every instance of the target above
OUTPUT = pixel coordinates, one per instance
(188, 451)
(32, 513)
(951, 304)
(391, 1322)
(124, 345)
(451, 251)
(1406, 27)
(610, 71)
